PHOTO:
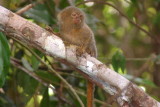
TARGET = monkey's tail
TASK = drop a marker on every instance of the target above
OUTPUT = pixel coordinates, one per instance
(90, 94)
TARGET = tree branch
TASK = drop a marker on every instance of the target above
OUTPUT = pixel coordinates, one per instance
(53, 71)
(125, 92)
(24, 9)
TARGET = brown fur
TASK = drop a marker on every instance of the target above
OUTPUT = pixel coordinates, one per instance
(77, 34)
(74, 30)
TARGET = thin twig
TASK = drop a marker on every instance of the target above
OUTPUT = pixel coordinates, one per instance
(82, 94)
(16, 63)
(121, 13)
(24, 9)
(127, 59)
(32, 74)
(95, 100)
(53, 71)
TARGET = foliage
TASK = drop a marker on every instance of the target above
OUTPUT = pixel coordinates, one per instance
(115, 29)
(4, 58)
(118, 61)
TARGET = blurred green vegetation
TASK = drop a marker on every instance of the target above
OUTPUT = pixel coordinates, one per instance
(122, 44)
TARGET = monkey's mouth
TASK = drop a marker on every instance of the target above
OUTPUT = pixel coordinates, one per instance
(76, 21)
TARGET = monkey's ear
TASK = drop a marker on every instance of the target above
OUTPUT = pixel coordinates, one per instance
(59, 19)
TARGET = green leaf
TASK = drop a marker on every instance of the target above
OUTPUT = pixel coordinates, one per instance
(47, 76)
(63, 4)
(50, 6)
(40, 14)
(28, 85)
(131, 11)
(156, 21)
(118, 61)
(26, 64)
(45, 101)
(34, 61)
(157, 0)
(134, 1)
(4, 58)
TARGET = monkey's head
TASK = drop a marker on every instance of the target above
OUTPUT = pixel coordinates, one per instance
(71, 16)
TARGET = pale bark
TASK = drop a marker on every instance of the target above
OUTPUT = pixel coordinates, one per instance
(125, 93)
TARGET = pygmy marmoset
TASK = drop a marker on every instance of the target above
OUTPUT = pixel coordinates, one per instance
(74, 30)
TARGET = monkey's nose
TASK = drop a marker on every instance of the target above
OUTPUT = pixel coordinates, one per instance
(77, 16)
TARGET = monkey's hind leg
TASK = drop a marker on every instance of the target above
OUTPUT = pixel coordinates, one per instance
(90, 94)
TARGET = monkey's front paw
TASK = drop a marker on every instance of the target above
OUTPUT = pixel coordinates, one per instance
(80, 51)
(49, 29)
(66, 43)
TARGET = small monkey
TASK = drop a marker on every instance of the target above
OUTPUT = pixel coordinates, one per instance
(74, 30)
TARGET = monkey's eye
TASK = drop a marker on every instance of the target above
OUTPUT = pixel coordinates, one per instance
(73, 14)
(80, 15)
